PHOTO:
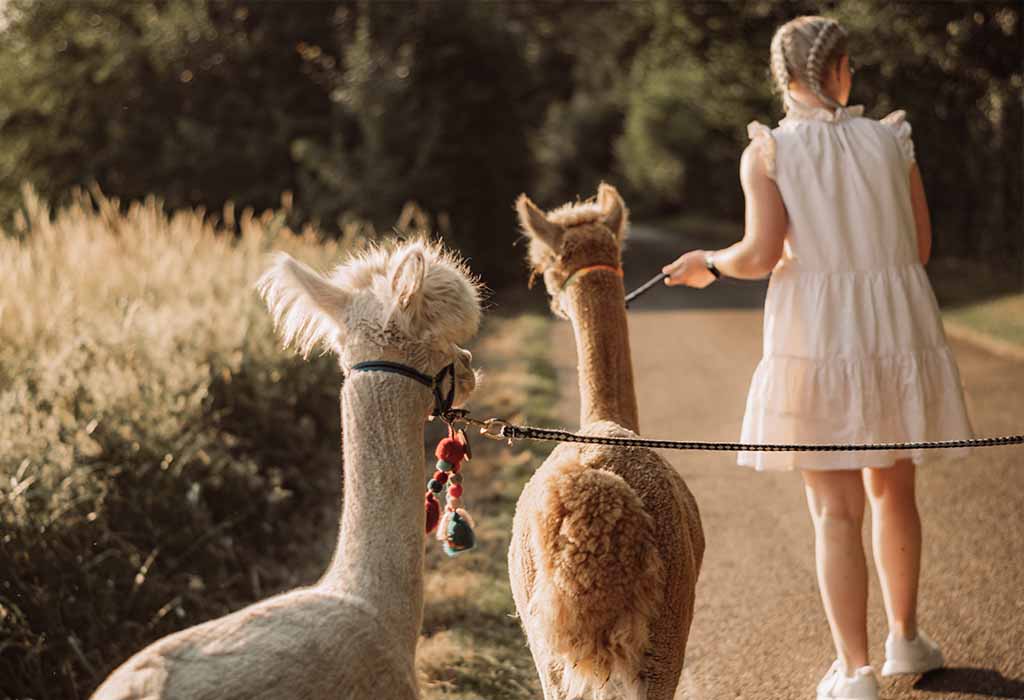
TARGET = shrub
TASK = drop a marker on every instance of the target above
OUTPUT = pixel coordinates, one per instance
(161, 461)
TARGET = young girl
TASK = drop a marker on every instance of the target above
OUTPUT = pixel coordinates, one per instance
(854, 350)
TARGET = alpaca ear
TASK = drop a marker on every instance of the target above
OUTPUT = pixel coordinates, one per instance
(308, 310)
(613, 209)
(407, 278)
(536, 225)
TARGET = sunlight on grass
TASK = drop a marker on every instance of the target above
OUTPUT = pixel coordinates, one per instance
(162, 460)
(1001, 317)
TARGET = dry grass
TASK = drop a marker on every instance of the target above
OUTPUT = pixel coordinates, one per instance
(161, 461)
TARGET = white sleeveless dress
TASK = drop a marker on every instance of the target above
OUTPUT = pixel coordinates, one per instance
(854, 349)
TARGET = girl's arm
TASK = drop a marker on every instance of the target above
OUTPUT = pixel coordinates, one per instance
(765, 231)
(922, 220)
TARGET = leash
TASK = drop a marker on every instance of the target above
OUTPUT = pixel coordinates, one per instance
(497, 429)
(653, 282)
(645, 287)
(507, 431)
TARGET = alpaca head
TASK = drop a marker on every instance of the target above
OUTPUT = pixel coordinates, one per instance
(409, 302)
(574, 236)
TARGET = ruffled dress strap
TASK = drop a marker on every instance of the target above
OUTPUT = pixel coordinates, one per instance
(897, 121)
(762, 138)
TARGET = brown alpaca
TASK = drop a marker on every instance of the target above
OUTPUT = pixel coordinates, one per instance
(606, 541)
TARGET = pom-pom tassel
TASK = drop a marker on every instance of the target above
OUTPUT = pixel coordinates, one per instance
(454, 526)
(450, 450)
(459, 535)
(433, 511)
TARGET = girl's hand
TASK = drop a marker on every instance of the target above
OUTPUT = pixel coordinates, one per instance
(689, 269)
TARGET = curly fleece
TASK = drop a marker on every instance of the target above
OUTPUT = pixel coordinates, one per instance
(607, 541)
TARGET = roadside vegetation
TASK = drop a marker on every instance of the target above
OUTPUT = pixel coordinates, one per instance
(161, 461)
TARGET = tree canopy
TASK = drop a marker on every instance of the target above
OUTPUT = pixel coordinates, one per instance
(357, 107)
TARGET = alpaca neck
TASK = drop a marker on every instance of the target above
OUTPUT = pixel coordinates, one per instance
(379, 556)
(594, 304)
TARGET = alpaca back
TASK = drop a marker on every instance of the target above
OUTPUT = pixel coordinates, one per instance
(599, 575)
(303, 645)
(680, 541)
(606, 549)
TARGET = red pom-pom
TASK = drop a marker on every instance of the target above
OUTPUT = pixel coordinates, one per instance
(433, 512)
(441, 476)
(455, 490)
(450, 450)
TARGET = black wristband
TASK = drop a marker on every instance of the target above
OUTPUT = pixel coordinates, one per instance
(709, 261)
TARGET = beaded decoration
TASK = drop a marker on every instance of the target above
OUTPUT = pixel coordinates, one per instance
(455, 526)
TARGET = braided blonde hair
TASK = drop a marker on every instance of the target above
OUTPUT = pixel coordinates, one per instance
(804, 49)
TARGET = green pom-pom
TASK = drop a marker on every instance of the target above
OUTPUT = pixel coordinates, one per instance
(435, 485)
(443, 466)
(455, 478)
(459, 536)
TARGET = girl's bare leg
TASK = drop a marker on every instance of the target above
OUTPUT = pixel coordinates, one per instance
(896, 540)
(836, 503)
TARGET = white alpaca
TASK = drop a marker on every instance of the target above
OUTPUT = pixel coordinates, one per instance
(353, 634)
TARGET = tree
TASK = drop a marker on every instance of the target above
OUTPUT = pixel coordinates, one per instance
(195, 101)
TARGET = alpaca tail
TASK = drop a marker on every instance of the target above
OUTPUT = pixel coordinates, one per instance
(600, 581)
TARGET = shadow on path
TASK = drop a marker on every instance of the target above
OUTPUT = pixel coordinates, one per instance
(975, 681)
(648, 248)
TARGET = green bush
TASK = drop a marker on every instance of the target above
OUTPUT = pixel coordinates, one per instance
(161, 461)
(571, 149)
(430, 108)
(195, 101)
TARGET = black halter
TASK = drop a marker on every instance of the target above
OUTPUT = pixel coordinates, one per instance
(442, 402)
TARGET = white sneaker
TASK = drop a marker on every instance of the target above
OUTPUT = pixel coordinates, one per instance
(836, 685)
(917, 655)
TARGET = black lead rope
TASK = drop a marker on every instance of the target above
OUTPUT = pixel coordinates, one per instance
(442, 402)
(502, 430)
(653, 282)
(645, 287)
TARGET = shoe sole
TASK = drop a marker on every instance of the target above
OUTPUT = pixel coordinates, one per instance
(894, 668)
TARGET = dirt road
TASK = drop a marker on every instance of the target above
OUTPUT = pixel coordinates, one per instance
(760, 632)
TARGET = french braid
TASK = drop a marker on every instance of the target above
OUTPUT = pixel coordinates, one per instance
(802, 50)
(819, 58)
(780, 71)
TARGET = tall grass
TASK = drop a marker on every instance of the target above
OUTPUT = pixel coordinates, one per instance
(161, 461)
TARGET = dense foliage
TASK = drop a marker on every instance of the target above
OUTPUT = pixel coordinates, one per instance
(161, 460)
(359, 106)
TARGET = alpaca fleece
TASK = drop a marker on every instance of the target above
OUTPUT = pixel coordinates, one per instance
(607, 541)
